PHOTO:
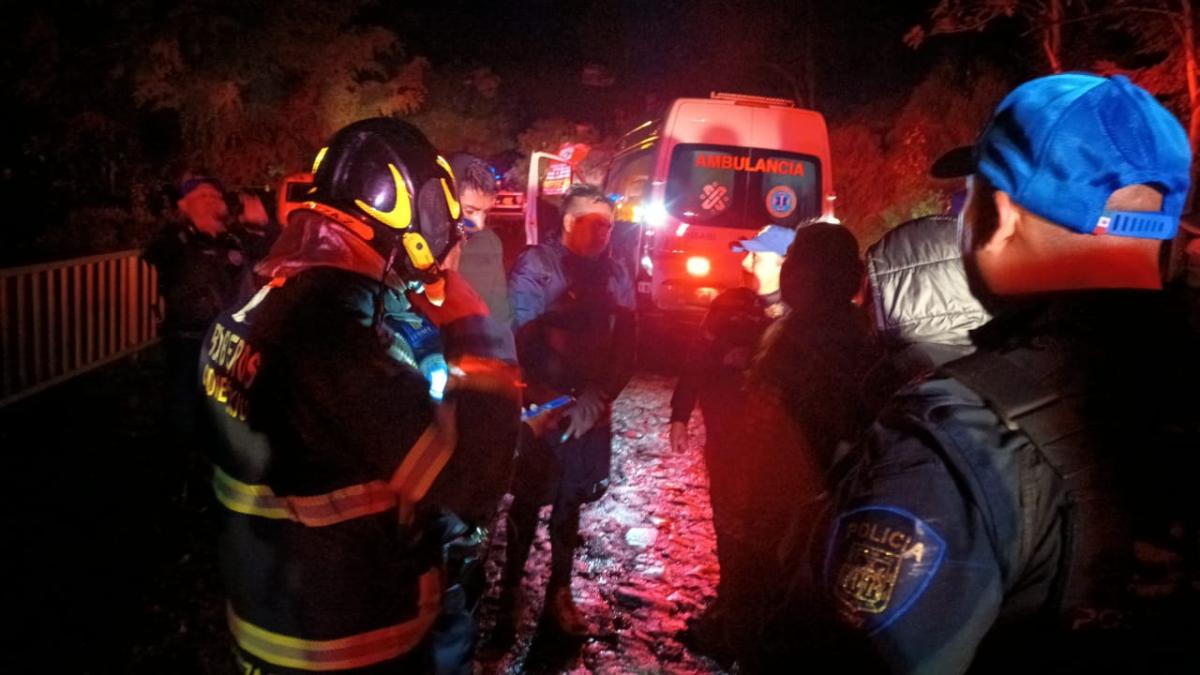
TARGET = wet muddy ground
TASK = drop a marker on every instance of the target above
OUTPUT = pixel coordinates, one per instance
(646, 564)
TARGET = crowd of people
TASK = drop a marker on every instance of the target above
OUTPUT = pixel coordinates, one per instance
(931, 460)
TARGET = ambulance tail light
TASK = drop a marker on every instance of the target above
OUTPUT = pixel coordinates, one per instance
(698, 266)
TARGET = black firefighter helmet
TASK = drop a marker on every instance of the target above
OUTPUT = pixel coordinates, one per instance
(382, 179)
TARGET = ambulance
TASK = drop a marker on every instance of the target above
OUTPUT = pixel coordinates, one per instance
(707, 173)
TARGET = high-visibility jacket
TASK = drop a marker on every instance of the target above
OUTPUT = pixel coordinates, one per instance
(325, 445)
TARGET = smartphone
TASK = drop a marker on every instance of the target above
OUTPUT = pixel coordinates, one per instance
(553, 404)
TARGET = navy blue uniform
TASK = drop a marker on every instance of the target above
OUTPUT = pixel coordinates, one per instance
(953, 532)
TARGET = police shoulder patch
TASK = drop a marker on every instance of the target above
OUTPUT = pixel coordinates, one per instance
(879, 560)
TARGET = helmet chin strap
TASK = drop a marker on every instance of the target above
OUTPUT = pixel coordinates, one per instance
(377, 317)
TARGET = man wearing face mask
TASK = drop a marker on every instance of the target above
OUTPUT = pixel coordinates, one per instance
(573, 315)
(480, 258)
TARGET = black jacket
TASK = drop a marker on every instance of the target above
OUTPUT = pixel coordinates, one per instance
(199, 276)
(951, 525)
(574, 319)
(331, 471)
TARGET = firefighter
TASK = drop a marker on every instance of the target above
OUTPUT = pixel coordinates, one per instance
(342, 480)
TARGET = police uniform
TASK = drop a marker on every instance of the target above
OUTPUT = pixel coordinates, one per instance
(992, 510)
(199, 276)
(953, 521)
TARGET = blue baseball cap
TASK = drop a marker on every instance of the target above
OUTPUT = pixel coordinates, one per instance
(1061, 145)
(770, 239)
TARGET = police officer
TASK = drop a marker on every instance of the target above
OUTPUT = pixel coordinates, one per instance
(997, 500)
(713, 375)
(200, 266)
(341, 480)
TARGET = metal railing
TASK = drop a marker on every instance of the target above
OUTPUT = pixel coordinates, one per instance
(63, 318)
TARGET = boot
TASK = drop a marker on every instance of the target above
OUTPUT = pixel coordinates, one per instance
(563, 614)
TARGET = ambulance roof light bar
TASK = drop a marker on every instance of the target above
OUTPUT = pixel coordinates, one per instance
(749, 99)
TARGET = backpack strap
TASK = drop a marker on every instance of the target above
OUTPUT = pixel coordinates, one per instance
(1026, 401)
(1030, 396)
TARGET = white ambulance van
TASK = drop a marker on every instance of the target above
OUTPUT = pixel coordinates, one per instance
(709, 172)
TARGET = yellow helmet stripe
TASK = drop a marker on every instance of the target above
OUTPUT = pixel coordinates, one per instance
(446, 165)
(451, 201)
(320, 156)
(400, 217)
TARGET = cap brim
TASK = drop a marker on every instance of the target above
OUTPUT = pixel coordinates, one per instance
(748, 246)
(955, 163)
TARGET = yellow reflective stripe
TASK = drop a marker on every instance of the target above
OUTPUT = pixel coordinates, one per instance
(334, 507)
(319, 158)
(422, 465)
(352, 651)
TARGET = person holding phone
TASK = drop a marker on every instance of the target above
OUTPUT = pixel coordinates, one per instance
(573, 316)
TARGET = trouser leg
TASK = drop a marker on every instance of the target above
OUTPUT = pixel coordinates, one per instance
(520, 530)
(453, 639)
(564, 539)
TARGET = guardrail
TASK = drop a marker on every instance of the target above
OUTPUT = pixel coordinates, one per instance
(63, 318)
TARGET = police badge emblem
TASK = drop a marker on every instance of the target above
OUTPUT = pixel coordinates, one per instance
(879, 561)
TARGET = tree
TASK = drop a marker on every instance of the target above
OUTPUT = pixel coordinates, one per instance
(882, 168)
(259, 87)
(1043, 17)
(468, 112)
(1165, 29)
(1163, 33)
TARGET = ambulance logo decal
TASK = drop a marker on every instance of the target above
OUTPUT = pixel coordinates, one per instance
(781, 201)
(880, 560)
(714, 197)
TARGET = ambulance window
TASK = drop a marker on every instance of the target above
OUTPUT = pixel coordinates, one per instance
(747, 188)
(628, 182)
(703, 186)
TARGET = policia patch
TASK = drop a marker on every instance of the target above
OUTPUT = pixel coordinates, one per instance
(879, 561)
